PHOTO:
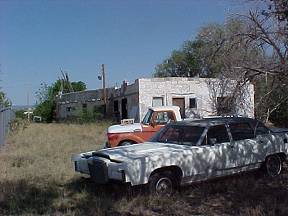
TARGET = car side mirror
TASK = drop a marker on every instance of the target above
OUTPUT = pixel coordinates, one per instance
(212, 141)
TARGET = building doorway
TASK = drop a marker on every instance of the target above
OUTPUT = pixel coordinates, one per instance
(116, 112)
(181, 103)
(124, 111)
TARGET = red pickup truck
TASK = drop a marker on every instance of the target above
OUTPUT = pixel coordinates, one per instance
(154, 120)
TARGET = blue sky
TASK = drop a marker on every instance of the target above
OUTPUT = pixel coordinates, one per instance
(130, 37)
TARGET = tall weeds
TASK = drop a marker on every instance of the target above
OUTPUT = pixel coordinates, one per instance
(37, 177)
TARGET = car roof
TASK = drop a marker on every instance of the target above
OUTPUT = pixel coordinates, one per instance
(214, 121)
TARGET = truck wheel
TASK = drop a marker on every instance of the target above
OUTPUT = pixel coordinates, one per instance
(162, 184)
(126, 143)
(273, 165)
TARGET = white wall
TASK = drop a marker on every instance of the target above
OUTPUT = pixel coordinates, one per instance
(203, 89)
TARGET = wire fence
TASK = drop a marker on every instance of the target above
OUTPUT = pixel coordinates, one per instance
(6, 116)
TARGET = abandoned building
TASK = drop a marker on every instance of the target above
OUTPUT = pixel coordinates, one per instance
(196, 97)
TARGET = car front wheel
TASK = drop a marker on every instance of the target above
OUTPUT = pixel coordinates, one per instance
(162, 184)
(273, 165)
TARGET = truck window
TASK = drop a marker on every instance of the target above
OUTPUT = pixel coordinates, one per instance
(161, 118)
(147, 117)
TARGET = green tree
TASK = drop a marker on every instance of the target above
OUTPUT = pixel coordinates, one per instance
(4, 101)
(215, 51)
(79, 86)
(182, 63)
(63, 86)
(20, 114)
(46, 102)
(47, 98)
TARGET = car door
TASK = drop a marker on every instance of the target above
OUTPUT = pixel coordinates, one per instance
(265, 141)
(220, 153)
(244, 144)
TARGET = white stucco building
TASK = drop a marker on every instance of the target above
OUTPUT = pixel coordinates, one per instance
(197, 97)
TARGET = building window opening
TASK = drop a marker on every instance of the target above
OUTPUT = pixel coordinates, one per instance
(157, 101)
(124, 108)
(116, 106)
(193, 103)
(84, 108)
(116, 111)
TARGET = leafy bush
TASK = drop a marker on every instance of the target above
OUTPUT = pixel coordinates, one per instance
(20, 114)
(47, 98)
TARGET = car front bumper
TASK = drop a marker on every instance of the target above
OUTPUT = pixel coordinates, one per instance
(100, 170)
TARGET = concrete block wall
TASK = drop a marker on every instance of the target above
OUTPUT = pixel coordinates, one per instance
(75, 100)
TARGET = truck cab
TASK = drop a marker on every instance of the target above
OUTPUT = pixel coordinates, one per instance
(153, 121)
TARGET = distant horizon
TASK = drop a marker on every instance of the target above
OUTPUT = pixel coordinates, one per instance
(22, 106)
(40, 38)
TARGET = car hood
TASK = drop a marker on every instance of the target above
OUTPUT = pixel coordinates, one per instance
(124, 153)
(125, 128)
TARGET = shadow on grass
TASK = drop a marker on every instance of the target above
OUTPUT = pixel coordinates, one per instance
(80, 196)
(250, 193)
(98, 199)
(20, 197)
(243, 194)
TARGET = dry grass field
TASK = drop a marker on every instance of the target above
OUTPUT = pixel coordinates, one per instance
(37, 177)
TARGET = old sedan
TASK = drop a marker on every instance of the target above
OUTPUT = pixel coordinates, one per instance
(189, 151)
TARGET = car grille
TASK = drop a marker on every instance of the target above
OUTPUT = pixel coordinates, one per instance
(98, 171)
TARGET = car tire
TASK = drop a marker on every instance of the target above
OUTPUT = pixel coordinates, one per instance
(126, 143)
(273, 165)
(162, 184)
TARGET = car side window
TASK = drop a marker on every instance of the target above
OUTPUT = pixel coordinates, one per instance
(241, 131)
(171, 135)
(191, 135)
(217, 134)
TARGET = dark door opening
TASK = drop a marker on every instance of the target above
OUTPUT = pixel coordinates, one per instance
(124, 108)
(116, 111)
(181, 103)
(116, 107)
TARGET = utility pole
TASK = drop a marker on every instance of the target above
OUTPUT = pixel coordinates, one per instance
(104, 88)
(103, 84)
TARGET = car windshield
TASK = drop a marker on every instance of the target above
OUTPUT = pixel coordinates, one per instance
(179, 134)
(147, 118)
